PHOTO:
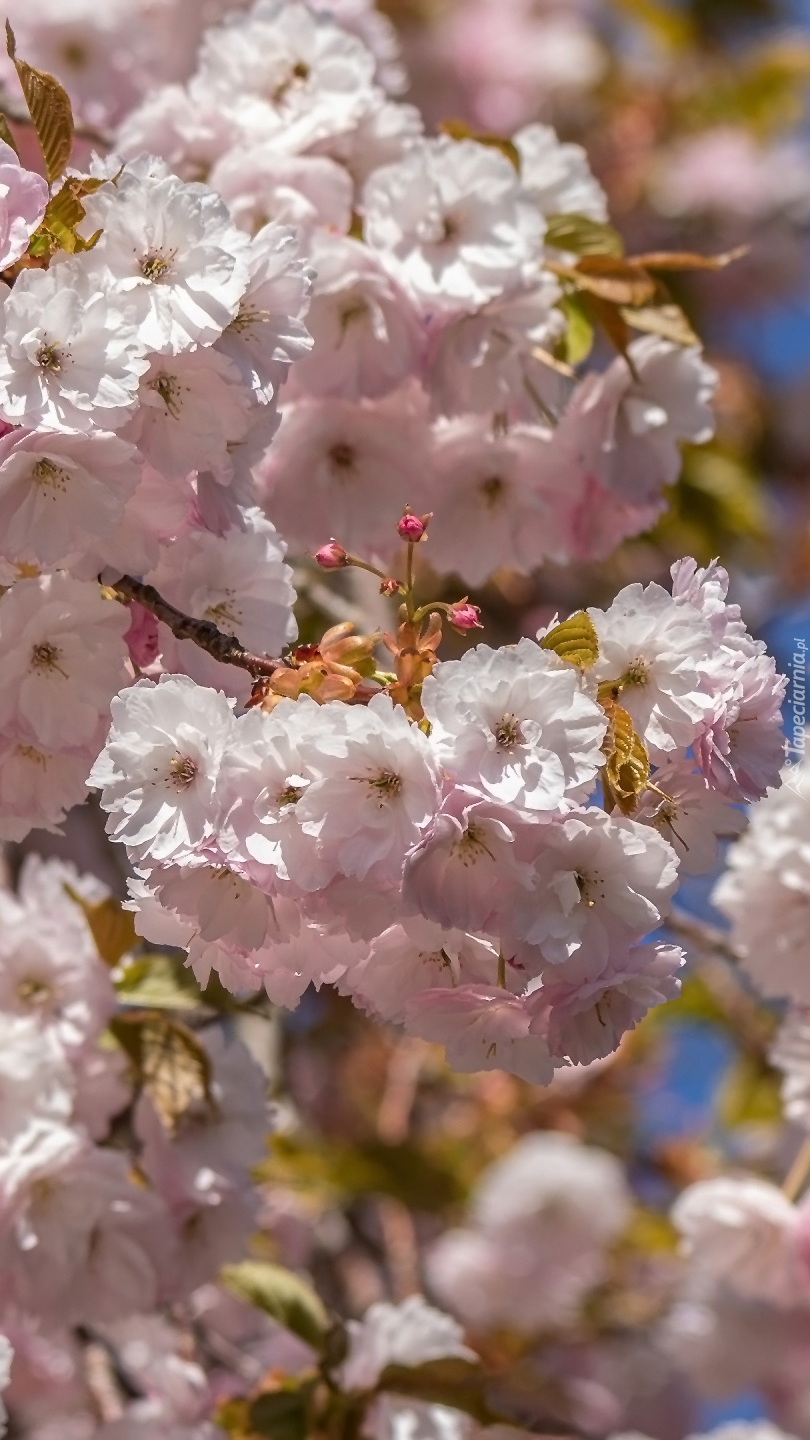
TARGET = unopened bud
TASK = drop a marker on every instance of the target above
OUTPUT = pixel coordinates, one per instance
(332, 556)
(412, 527)
(390, 587)
(464, 616)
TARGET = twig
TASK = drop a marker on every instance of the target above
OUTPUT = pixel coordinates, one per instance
(204, 633)
(794, 1181)
(702, 935)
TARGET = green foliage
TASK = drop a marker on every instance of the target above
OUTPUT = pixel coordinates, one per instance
(748, 1093)
(574, 640)
(405, 1171)
(281, 1294)
(578, 339)
(579, 235)
(158, 982)
(63, 213)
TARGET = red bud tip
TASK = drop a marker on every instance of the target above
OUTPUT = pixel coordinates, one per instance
(464, 616)
(332, 556)
(389, 587)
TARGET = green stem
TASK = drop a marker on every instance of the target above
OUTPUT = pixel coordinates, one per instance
(501, 971)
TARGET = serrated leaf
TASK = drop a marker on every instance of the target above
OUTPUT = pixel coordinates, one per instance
(63, 213)
(158, 982)
(578, 337)
(50, 110)
(452, 1381)
(460, 130)
(627, 768)
(574, 640)
(579, 235)
(666, 321)
(281, 1294)
(112, 927)
(170, 1064)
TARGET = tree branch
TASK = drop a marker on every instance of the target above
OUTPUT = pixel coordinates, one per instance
(214, 641)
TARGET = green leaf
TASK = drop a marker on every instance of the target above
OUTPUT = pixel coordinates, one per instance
(281, 1294)
(579, 235)
(451, 1381)
(611, 278)
(50, 110)
(158, 982)
(749, 1093)
(578, 338)
(170, 1064)
(281, 1414)
(574, 640)
(112, 927)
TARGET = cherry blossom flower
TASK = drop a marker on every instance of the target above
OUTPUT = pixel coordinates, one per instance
(172, 250)
(765, 893)
(651, 648)
(517, 724)
(482, 1028)
(367, 333)
(157, 773)
(70, 351)
(58, 490)
(741, 1232)
(585, 1020)
(414, 956)
(62, 652)
(452, 223)
(409, 1334)
(604, 882)
(558, 176)
(23, 197)
(689, 815)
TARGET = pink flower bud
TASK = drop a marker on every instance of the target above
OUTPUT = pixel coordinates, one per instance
(411, 527)
(464, 616)
(332, 556)
(142, 637)
(390, 587)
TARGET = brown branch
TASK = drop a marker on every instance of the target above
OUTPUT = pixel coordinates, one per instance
(703, 936)
(208, 636)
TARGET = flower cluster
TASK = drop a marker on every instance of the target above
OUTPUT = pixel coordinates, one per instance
(112, 1202)
(434, 377)
(456, 876)
(139, 380)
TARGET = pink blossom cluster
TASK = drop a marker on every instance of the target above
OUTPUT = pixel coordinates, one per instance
(432, 378)
(138, 384)
(456, 877)
(105, 1212)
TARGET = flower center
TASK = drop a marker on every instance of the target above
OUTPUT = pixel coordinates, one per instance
(492, 490)
(33, 992)
(342, 456)
(49, 476)
(507, 732)
(168, 388)
(290, 795)
(45, 656)
(387, 784)
(155, 265)
(471, 846)
(183, 772)
(50, 357)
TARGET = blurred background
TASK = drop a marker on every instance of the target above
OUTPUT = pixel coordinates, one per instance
(694, 114)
